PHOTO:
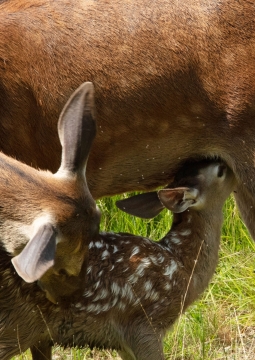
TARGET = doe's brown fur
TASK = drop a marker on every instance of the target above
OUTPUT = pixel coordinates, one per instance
(174, 80)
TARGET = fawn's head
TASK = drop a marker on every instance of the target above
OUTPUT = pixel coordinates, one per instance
(197, 185)
(64, 214)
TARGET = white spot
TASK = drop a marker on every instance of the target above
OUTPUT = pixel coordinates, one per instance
(148, 285)
(114, 302)
(175, 240)
(146, 262)
(135, 251)
(100, 273)
(96, 308)
(133, 278)
(99, 244)
(105, 254)
(88, 293)
(170, 269)
(89, 269)
(154, 259)
(154, 296)
(96, 285)
(115, 288)
(112, 268)
(127, 293)
(115, 249)
(78, 305)
(121, 306)
(103, 294)
(140, 270)
(105, 307)
(161, 258)
(185, 232)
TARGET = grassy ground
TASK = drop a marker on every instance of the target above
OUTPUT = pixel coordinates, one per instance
(219, 326)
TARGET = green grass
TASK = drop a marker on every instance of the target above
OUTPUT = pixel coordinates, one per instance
(219, 326)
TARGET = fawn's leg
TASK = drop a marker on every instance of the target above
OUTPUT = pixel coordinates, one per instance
(125, 355)
(41, 351)
(143, 342)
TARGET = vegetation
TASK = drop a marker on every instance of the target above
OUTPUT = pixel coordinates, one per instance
(219, 326)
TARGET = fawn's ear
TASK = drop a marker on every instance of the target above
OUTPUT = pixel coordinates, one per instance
(178, 199)
(145, 205)
(77, 129)
(38, 255)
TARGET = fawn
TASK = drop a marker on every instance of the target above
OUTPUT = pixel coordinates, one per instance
(135, 288)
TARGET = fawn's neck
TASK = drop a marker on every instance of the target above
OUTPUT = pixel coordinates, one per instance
(193, 241)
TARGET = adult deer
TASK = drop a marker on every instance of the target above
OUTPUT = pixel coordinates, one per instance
(174, 80)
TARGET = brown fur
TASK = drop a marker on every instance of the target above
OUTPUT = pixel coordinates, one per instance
(127, 305)
(47, 220)
(174, 80)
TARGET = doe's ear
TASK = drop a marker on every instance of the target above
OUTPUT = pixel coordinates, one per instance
(145, 205)
(178, 199)
(38, 255)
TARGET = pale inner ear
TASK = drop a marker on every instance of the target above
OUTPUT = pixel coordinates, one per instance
(38, 255)
(178, 199)
(77, 130)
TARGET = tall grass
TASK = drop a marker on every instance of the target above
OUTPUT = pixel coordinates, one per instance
(219, 326)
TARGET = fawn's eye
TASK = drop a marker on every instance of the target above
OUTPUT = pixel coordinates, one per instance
(62, 272)
(221, 171)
